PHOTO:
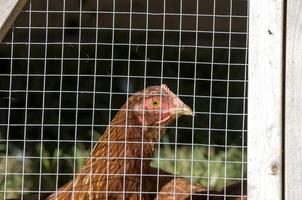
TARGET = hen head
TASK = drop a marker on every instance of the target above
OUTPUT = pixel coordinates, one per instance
(156, 105)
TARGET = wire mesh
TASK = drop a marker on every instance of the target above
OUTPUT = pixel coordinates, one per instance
(67, 67)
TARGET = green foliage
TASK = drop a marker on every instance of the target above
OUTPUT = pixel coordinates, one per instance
(197, 163)
(11, 172)
(40, 173)
(204, 165)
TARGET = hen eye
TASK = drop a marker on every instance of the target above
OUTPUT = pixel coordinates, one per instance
(155, 103)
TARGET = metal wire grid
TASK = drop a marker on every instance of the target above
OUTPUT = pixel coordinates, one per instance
(46, 105)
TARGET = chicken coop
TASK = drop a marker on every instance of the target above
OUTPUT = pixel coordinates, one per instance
(92, 94)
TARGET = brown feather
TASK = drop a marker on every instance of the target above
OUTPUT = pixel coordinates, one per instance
(178, 189)
(235, 191)
(123, 153)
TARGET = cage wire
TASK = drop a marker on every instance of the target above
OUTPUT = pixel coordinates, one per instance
(68, 66)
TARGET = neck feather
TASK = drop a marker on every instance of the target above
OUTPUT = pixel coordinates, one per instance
(122, 154)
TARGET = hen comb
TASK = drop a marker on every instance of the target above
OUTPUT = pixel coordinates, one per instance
(165, 88)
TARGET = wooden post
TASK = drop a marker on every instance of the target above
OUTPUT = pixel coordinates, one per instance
(293, 101)
(265, 99)
(9, 10)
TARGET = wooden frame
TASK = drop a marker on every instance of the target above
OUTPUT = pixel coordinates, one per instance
(293, 101)
(9, 10)
(265, 93)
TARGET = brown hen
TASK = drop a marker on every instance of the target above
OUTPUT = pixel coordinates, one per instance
(235, 191)
(178, 189)
(182, 189)
(122, 156)
(162, 185)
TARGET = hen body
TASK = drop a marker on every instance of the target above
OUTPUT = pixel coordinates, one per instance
(122, 156)
(235, 191)
(182, 189)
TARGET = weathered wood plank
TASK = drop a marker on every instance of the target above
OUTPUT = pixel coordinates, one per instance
(293, 99)
(265, 100)
(9, 10)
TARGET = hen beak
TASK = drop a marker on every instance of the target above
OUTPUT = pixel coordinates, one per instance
(182, 110)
